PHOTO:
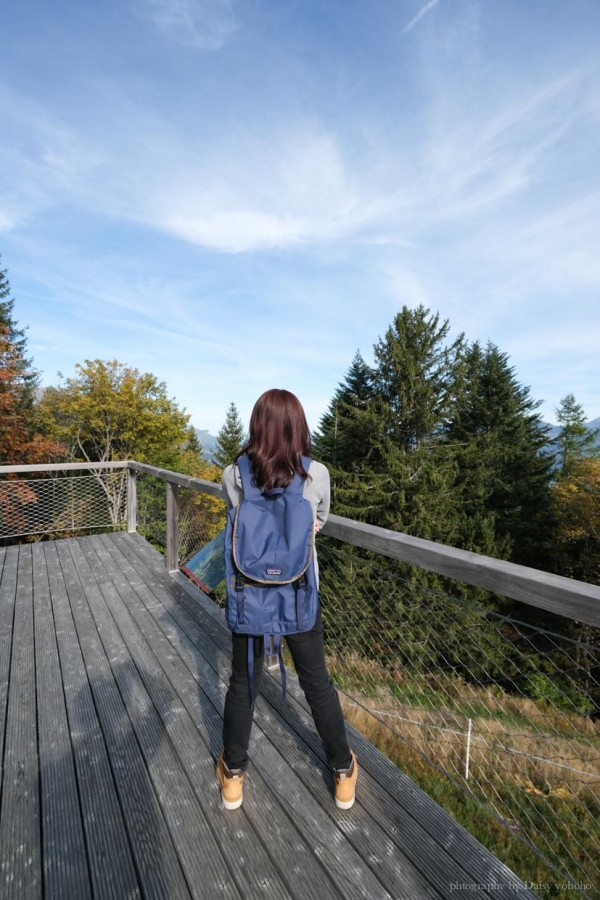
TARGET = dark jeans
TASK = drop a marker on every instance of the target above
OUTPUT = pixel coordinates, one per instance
(308, 653)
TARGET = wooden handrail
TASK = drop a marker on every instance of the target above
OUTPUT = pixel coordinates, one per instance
(63, 467)
(196, 484)
(565, 596)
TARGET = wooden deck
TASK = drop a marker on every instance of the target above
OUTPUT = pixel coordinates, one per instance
(113, 676)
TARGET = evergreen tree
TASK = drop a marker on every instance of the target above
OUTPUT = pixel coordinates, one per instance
(229, 439)
(575, 439)
(398, 472)
(405, 479)
(339, 441)
(500, 442)
(344, 438)
(193, 444)
(20, 440)
(417, 375)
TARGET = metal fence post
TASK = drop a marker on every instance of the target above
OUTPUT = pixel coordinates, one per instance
(468, 751)
(172, 557)
(131, 500)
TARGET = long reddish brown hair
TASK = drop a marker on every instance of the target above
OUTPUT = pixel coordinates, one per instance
(278, 439)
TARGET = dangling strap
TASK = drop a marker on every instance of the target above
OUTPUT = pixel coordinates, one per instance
(240, 585)
(250, 667)
(277, 642)
(300, 595)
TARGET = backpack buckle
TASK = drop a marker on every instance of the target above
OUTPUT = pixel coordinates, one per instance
(239, 582)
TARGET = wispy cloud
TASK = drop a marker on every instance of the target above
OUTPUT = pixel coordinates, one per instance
(422, 12)
(205, 24)
(48, 161)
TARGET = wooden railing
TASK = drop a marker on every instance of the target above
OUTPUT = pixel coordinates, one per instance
(573, 599)
(564, 596)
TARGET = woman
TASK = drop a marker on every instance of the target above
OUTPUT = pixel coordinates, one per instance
(279, 437)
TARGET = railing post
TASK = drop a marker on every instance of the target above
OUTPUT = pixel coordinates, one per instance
(468, 751)
(131, 500)
(172, 558)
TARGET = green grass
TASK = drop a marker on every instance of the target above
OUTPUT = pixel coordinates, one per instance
(583, 826)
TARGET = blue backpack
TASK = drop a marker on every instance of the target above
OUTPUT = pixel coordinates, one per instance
(269, 565)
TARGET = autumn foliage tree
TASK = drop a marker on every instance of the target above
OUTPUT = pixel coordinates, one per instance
(109, 411)
(21, 442)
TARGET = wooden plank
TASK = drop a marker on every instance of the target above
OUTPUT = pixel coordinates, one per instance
(131, 500)
(64, 467)
(64, 854)
(367, 838)
(111, 864)
(160, 669)
(8, 591)
(172, 555)
(564, 596)
(205, 868)
(20, 838)
(292, 857)
(156, 861)
(412, 819)
(2, 555)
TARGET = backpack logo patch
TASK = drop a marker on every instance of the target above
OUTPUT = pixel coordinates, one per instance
(274, 571)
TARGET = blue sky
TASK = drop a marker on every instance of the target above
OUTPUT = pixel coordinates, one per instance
(237, 196)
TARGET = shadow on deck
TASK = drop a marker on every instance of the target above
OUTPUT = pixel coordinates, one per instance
(113, 676)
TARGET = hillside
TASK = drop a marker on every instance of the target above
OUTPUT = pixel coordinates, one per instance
(554, 430)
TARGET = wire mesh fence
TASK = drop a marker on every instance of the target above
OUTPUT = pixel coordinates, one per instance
(151, 510)
(505, 709)
(64, 504)
(201, 517)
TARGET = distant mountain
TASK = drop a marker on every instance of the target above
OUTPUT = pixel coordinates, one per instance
(554, 431)
(208, 442)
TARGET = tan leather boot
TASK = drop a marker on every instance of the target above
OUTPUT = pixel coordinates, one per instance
(344, 781)
(232, 784)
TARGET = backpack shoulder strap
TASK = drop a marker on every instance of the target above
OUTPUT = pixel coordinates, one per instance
(251, 491)
(296, 485)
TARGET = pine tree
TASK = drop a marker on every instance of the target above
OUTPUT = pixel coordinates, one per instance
(344, 438)
(405, 482)
(575, 439)
(500, 444)
(340, 439)
(417, 375)
(399, 473)
(193, 444)
(229, 439)
(20, 442)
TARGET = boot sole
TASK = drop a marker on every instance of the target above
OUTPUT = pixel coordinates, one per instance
(232, 804)
(344, 804)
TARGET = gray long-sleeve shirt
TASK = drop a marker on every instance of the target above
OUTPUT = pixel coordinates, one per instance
(316, 491)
